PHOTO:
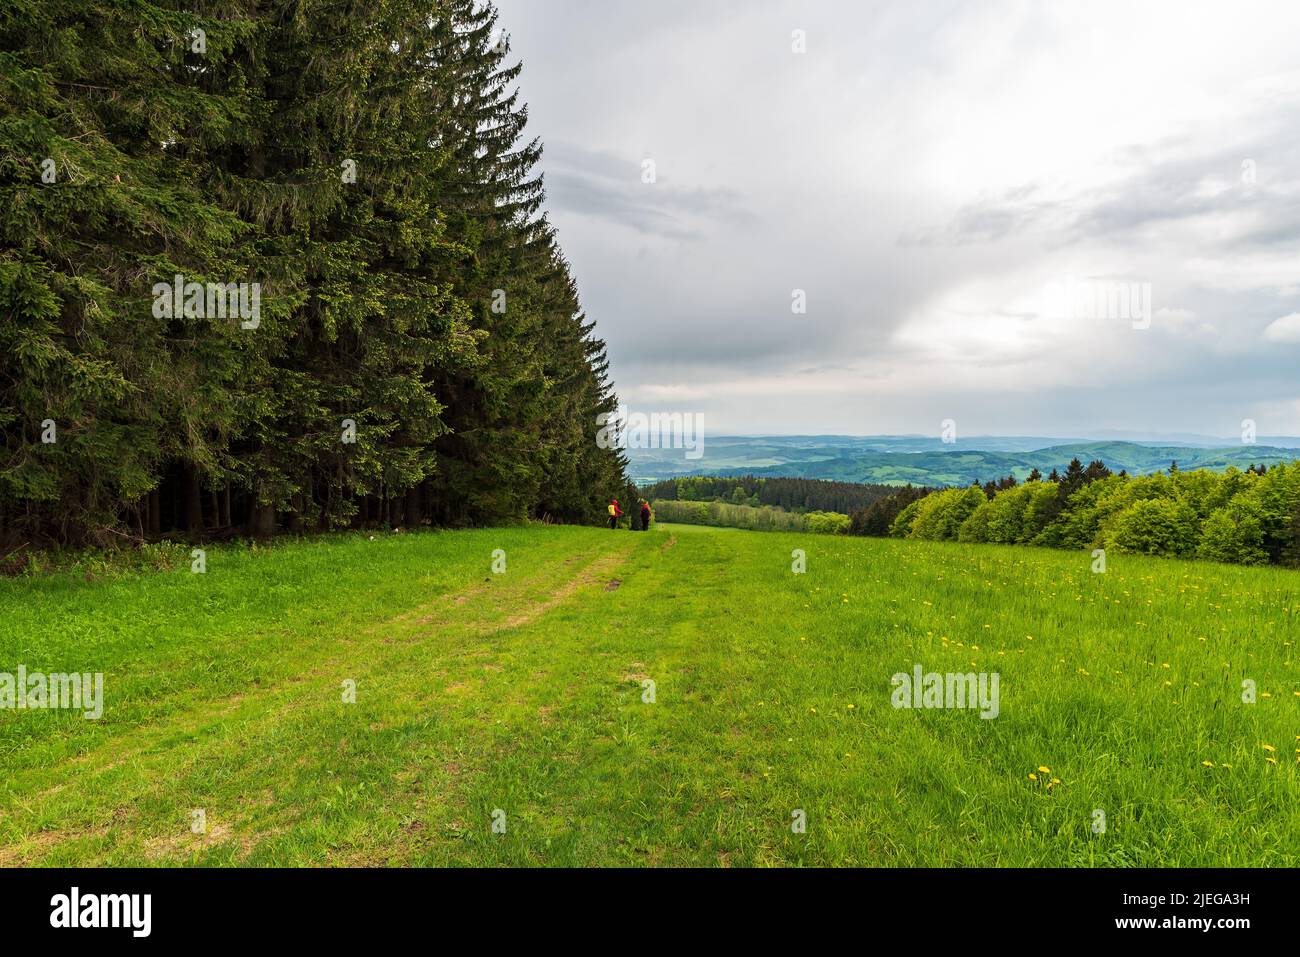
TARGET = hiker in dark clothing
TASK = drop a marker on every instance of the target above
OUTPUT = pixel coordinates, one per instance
(645, 515)
(614, 513)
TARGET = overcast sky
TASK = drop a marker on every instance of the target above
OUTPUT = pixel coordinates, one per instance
(926, 172)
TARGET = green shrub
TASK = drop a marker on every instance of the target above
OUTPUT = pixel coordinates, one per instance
(1155, 527)
(902, 526)
(940, 516)
(1234, 535)
(826, 523)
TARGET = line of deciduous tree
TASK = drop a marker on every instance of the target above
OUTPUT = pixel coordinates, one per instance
(419, 353)
(1250, 517)
(791, 494)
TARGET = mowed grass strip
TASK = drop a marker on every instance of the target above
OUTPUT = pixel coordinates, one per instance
(233, 690)
(523, 698)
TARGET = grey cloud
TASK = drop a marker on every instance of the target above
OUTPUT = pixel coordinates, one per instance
(1155, 192)
(835, 172)
(603, 185)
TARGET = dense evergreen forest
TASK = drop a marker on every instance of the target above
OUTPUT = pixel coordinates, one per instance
(281, 264)
(791, 494)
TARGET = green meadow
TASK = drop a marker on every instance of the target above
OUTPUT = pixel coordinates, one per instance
(676, 697)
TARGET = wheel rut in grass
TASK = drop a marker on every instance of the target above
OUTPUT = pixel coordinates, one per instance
(492, 606)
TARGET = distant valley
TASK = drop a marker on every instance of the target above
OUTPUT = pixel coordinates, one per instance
(926, 460)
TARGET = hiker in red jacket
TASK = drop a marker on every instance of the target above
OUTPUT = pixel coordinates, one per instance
(614, 513)
(645, 515)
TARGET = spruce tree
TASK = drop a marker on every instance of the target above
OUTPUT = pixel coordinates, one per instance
(99, 203)
(419, 352)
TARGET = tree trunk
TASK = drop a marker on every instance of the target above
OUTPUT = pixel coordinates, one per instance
(413, 516)
(261, 517)
(155, 513)
(262, 520)
(193, 501)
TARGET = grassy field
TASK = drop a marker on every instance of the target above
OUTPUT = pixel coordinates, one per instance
(519, 698)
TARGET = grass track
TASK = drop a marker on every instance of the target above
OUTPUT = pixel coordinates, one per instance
(523, 692)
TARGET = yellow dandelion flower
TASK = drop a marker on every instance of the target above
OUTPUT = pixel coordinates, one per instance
(1269, 747)
(1207, 764)
(1045, 770)
(1033, 777)
(1056, 781)
(1271, 760)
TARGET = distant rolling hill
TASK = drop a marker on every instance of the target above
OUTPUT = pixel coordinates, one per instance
(922, 460)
